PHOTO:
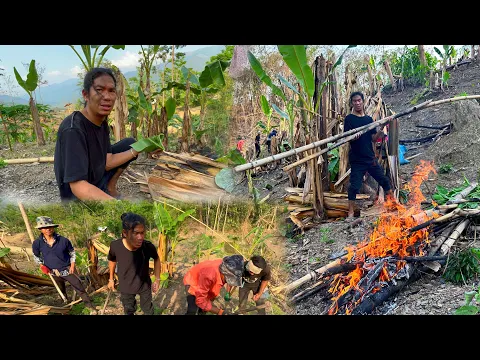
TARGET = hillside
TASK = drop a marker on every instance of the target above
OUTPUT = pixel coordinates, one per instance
(68, 91)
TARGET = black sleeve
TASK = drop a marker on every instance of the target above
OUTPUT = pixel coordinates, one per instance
(267, 274)
(111, 254)
(152, 251)
(109, 146)
(36, 248)
(346, 124)
(74, 155)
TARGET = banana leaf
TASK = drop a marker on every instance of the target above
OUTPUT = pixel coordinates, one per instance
(149, 144)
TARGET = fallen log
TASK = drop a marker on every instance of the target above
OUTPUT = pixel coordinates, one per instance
(424, 139)
(42, 159)
(436, 127)
(445, 248)
(424, 105)
(321, 285)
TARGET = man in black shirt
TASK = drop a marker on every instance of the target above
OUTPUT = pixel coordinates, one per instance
(55, 255)
(132, 254)
(362, 157)
(257, 145)
(256, 276)
(86, 165)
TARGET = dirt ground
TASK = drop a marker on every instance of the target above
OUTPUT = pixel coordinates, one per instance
(431, 294)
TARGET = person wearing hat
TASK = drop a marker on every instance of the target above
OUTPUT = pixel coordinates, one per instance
(256, 276)
(204, 281)
(55, 255)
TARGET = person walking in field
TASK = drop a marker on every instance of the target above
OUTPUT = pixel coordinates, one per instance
(56, 256)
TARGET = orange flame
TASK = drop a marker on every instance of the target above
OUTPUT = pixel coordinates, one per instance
(390, 237)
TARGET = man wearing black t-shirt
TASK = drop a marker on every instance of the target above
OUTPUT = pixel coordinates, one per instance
(256, 276)
(86, 165)
(132, 255)
(362, 158)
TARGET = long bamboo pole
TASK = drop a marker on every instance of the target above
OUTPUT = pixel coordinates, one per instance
(41, 159)
(424, 105)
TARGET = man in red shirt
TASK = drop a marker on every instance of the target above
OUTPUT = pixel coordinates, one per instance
(204, 281)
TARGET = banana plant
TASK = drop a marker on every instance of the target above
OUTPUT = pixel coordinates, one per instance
(448, 52)
(29, 85)
(295, 57)
(91, 60)
(267, 110)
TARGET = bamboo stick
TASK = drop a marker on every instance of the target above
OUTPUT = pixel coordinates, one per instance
(42, 159)
(424, 105)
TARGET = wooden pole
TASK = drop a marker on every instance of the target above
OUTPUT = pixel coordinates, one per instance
(42, 159)
(424, 105)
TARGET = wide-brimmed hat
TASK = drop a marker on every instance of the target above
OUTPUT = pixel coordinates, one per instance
(232, 268)
(45, 222)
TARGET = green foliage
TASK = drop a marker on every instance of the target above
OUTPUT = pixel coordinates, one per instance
(30, 84)
(4, 252)
(463, 266)
(2, 164)
(82, 261)
(468, 309)
(333, 163)
(92, 60)
(442, 194)
(409, 65)
(324, 236)
(149, 144)
(445, 168)
(166, 223)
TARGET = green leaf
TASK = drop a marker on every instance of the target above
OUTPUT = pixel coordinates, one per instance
(170, 106)
(288, 84)
(32, 77)
(144, 104)
(149, 144)
(118, 47)
(267, 110)
(438, 51)
(4, 252)
(212, 74)
(296, 58)
(466, 310)
(20, 80)
(164, 276)
(283, 114)
(257, 67)
(225, 179)
(261, 124)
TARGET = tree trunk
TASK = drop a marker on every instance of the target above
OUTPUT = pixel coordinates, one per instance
(370, 76)
(390, 75)
(421, 55)
(203, 139)
(163, 125)
(121, 109)
(162, 252)
(472, 52)
(36, 122)
(173, 69)
(187, 126)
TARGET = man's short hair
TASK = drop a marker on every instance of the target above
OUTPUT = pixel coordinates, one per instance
(356, 93)
(130, 220)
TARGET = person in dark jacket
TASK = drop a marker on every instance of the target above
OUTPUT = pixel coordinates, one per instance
(55, 255)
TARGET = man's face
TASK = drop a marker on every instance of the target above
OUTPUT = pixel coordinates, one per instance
(136, 236)
(48, 231)
(357, 103)
(101, 96)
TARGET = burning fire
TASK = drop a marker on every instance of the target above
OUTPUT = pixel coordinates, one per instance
(390, 238)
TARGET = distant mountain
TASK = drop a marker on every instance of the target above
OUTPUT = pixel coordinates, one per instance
(68, 91)
(7, 100)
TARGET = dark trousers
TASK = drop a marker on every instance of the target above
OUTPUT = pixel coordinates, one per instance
(121, 146)
(192, 308)
(130, 303)
(74, 280)
(257, 150)
(358, 170)
(243, 296)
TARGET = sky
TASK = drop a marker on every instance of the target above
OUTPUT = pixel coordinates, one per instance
(61, 63)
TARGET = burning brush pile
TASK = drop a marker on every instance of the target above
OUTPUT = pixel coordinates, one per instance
(404, 240)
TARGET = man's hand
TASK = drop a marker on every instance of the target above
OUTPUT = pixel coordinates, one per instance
(72, 268)
(111, 284)
(45, 269)
(256, 296)
(155, 285)
(356, 136)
